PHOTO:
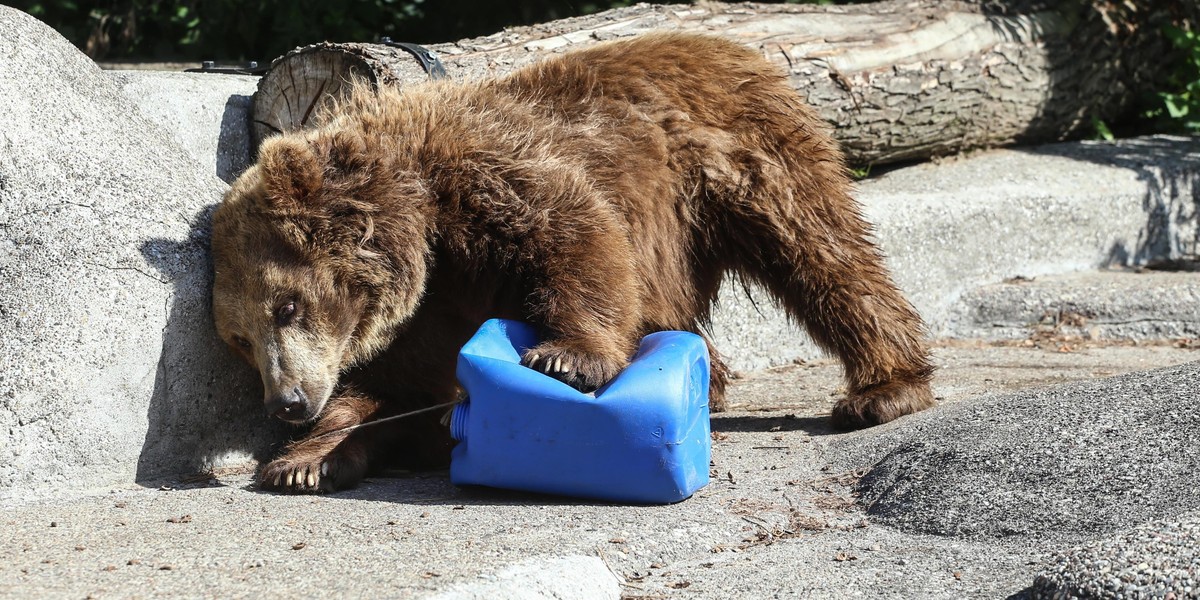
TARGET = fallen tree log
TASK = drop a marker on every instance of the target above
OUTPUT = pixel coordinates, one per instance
(896, 80)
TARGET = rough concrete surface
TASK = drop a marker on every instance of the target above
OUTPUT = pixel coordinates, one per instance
(1070, 462)
(208, 114)
(576, 577)
(779, 520)
(1154, 560)
(109, 367)
(1114, 305)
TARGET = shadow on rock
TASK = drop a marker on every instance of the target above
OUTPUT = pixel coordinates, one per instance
(206, 409)
(234, 153)
(742, 424)
(1171, 203)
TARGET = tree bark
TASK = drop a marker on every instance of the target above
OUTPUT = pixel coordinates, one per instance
(896, 80)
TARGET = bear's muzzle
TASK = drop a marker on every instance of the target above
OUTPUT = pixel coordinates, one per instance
(289, 406)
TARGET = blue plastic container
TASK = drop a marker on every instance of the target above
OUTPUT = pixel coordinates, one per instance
(643, 437)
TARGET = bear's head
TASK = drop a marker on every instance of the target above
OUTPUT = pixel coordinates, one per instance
(320, 252)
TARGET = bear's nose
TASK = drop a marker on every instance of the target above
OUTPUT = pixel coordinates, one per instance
(288, 406)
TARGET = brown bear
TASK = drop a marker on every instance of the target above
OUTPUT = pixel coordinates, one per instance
(601, 195)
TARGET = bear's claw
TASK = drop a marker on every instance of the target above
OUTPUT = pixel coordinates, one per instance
(311, 470)
(580, 370)
(557, 365)
(296, 478)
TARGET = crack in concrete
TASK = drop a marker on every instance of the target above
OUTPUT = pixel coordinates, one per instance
(134, 269)
(1090, 322)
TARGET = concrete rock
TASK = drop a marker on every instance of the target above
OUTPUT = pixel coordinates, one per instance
(208, 114)
(575, 577)
(1062, 463)
(109, 367)
(949, 228)
(1102, 305)
(1155, 560)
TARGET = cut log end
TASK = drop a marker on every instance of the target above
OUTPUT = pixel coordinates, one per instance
(299, 84)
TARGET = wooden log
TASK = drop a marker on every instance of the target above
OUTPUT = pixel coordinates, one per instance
(896, 80)
(298, 82)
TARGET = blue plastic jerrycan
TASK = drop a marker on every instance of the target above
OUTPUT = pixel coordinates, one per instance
(643, 437)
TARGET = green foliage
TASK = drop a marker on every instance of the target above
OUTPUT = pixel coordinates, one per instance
(232, 30)
(229, 30)
(1178, 107)
(1102, 130)
(216, 29)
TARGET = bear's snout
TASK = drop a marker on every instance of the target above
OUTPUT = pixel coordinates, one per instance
(288, 406)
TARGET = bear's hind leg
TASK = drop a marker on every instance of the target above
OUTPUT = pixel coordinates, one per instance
(837, 287)
(811, 249)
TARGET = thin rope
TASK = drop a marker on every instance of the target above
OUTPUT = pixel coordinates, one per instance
(386, 419)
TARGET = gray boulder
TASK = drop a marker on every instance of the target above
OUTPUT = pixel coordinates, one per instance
(1117, 304)
(110, 370)
(1156, 560)
(1060, 464)
(207, 114)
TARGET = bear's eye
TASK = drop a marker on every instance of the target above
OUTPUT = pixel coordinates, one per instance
(285, 312)
(241, 341)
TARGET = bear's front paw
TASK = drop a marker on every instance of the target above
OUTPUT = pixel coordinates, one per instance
(882, 403)
(584, 371)
(316, 476)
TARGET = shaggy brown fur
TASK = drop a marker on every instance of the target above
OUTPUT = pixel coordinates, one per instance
(600, 195)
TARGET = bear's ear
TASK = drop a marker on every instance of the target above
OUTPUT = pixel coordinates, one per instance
(290, 171)
(347, 151)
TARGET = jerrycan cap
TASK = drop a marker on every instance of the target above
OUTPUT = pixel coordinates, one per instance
(458, 420)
